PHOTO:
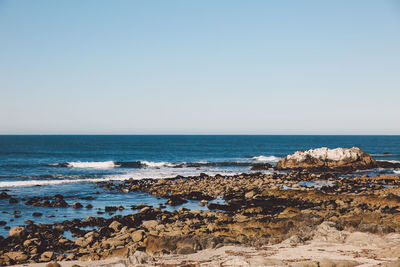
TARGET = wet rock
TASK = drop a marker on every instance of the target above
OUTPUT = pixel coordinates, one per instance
(4, 195)
(77, 205)
(89, 206)
(203, 203)
(260, 167)
(37, 214)
(110, 208)
(2, 223)
(175, 200)
(13, 200)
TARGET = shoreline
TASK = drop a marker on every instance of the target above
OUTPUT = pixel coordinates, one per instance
(256, 211)
(317, 203)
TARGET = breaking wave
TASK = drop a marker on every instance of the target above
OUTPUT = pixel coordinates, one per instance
(164, 164)
(266, 158)
(55, 182)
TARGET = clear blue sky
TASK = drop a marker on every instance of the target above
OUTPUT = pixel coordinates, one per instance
(236, 67)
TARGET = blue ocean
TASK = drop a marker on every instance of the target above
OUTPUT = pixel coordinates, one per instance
(45, 165)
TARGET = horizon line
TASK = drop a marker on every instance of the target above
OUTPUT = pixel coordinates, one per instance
(193, 134)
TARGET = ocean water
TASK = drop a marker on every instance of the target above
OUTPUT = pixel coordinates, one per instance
(47, 165)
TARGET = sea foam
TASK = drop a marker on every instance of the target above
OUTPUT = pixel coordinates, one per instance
(266, 158)
(92, 164)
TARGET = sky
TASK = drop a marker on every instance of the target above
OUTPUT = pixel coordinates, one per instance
(199, 67)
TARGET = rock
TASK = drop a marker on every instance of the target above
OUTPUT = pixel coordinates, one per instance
(185, 250)
(2, 223)
(4, 195)
(346, 159)
(261, 166)
(13, 200)
(110, 208)
(250, 194)
(83, 242)
(119, 253)
(144, 210)
(187, 246)
(203, 203)
(115, 225)
(77, 205)
(175, 200)
(47, 256)
(37, 214)
(137, 236)
(160, 244)
(17, 231)
(150, 224)
(140, 257)
(89, 206)
(53, 264)
(17, 256)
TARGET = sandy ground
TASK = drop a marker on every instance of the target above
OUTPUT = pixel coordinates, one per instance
(329, 247)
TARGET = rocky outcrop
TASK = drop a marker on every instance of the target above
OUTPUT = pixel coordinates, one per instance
(338, 159)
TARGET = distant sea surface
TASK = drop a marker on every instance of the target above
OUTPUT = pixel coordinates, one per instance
(45, 165)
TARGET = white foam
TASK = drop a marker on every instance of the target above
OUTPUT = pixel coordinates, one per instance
(56, 182)
(266, 158)
(160, 164)
(397, 171)
(393, 161)
(92, 164)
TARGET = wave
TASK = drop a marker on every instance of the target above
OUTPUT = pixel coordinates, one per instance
(149, 164)
(393, 161)
(397, 171)
(56, 182)
(152, 164)
(90, 164)
(165, 164)
(266, 158)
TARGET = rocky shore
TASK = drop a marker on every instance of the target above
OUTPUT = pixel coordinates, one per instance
(254, 212)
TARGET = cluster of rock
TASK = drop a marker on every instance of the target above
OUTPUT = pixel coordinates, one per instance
(256, 211)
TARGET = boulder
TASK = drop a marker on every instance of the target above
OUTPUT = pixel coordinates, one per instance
(47, 256)
(137, 235)
(77, 205)
(338, 159)
(17, 231)
(115, 225)
(17, 256)
(150, 224)
(261, 166)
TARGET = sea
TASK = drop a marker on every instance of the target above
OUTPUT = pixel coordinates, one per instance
(45, 165)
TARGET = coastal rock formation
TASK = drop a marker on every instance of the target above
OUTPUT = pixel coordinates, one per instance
(339, 159)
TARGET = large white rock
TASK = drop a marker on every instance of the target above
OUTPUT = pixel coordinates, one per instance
(344, 159)
(325, 153)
